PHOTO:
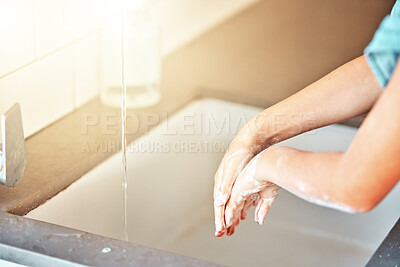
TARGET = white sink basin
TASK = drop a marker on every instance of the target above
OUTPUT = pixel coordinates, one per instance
(170, 199)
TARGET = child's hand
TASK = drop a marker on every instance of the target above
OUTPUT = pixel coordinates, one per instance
(235, 159)
(250, 182)
(248, 142)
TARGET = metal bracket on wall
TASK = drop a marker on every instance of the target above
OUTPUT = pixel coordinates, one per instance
(13, 153)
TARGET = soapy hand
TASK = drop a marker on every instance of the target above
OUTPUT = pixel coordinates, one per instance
(243, 148)
(252, 181)
(235, 159)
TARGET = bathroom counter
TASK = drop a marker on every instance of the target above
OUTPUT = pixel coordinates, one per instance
(388, 253)
(236, 61)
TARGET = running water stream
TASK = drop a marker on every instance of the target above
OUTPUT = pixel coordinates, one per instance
(123, 135)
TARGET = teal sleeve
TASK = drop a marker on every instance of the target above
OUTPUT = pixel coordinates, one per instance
(384, 50)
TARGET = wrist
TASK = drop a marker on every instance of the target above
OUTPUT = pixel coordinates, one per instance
(270, 163)
(262, 133)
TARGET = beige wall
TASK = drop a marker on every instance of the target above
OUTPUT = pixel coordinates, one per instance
(276, 48)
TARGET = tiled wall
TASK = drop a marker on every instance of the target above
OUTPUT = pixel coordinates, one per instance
(49, 49)
(48, 54)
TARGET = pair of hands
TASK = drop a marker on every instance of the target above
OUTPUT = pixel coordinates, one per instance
(241, 180)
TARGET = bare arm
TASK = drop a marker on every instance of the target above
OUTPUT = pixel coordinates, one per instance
(346, 92)
(355, 181)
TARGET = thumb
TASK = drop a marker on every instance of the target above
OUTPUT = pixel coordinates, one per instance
(267, 197)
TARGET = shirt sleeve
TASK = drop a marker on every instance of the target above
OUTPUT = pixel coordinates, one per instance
(384, 50)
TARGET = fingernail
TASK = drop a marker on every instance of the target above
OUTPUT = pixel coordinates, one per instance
(260, 217)
(220, 233)
(260, 220)
(244, 215)
(230, 231)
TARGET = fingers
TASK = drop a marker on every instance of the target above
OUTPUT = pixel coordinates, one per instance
(262, 209)
(219, 214)
(248, 204)
(267, 197)
(230, 230)
(231, 165)
(241, 212)
(262, 200)
(233, 214)
(245, 186)
(219, 221)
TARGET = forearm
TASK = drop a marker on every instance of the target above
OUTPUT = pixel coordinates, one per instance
(348, 91)
(356, 180)
(309, 175)
(372, 161)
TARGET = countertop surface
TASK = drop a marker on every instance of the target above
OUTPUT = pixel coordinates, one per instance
(223, 63)
(388, 253)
